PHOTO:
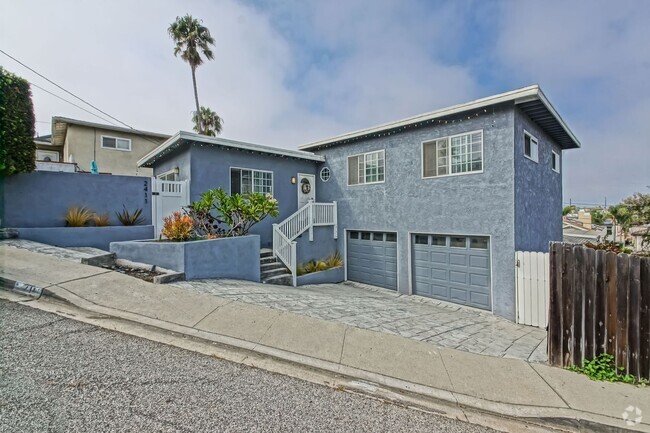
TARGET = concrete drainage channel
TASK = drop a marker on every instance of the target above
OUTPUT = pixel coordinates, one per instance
(150, 273)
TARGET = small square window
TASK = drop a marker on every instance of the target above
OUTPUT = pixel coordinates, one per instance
(422, 239)
(391, 237)
(439, 241)
(354, 235)
(378, 237)
(555, 162)
(458, 242)
(365, 236)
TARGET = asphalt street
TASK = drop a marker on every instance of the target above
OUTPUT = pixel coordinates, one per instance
(58, 375)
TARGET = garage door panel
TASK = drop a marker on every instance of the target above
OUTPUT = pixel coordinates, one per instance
(457, 259)
(479, 262)
(479, 280)
(439, 274)
(439, 257)
(373, 260)
(459, 275)
(477, 298)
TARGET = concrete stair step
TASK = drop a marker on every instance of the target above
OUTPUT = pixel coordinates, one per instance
(273, 272)
(266, 252)
(265, 260)
(280, 280)
(271, 265)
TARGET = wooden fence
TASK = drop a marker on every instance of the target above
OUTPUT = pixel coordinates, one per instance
(599, 303)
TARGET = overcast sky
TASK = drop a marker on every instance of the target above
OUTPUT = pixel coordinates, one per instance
(290, 72)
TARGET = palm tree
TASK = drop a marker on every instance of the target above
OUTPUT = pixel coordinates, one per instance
(192, 40)
(211, 122)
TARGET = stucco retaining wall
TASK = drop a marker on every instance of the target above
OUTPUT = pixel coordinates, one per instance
(236, 258)
(334, 275)
(97, 237)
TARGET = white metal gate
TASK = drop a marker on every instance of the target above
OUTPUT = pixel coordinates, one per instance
(167, 197)
(532, 280)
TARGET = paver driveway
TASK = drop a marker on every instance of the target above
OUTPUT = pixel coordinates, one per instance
(386, 311)
(367, 307)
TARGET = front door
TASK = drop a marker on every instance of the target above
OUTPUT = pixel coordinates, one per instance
(306, 189)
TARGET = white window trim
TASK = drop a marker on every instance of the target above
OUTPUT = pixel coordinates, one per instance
(320, 173)
(347, 163)
(45, 153)
(115, 138)
(559, 162)
(252, 170)
(532, 139)
(168, 172)
(448, 138)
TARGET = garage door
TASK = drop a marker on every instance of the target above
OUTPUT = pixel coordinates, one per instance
(372, 258)
(452, 268)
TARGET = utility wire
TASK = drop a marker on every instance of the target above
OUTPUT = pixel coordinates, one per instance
(135, 131)
(67, 91)
(72, 103)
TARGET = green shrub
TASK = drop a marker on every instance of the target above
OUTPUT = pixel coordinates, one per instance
(17, 147)
(604, 368)
(332, 261)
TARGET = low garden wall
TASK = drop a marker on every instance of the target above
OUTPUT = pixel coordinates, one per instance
(41, 198)
(97, 237)
(236, 257)
(333, 275)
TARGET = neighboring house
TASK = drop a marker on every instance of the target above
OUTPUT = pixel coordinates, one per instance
(434, 205)
(640, 238)
(116, 150)
(576, 231)
(50, 158)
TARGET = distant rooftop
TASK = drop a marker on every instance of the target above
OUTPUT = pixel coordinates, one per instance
(60, 129)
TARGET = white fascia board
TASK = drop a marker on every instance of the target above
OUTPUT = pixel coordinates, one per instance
(182, 135)
(526, 92)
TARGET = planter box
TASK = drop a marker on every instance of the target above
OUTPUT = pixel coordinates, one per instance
(236, 258)
(333, 275)
(97, 237)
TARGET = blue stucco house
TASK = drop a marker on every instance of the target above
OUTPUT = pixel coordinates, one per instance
(433, 205)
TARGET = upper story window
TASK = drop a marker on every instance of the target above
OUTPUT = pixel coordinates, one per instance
(366, 168)
(245, 181)
(555, 162)
(531, 150)
(457, 154)
(116, 143)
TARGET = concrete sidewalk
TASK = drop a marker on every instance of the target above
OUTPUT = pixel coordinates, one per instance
(377, 363)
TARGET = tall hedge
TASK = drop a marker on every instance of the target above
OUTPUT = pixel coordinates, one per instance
(17, 148)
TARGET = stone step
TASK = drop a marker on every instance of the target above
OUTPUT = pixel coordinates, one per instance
(264, 260)
(273, 272)
(266, 252)
(271, 265)
(280, 280)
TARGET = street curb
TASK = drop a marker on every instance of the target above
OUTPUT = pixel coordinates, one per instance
(368, 383)
(11, 286)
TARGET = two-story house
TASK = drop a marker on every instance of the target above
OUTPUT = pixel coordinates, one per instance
(433, 205)
(114, 149)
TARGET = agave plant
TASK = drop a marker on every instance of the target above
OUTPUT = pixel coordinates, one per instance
(78, 216)
(334, 260)
(130, 219)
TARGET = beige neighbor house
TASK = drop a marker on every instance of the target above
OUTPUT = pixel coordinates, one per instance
(116, 150)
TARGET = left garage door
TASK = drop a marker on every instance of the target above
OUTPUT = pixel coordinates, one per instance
(372, 258)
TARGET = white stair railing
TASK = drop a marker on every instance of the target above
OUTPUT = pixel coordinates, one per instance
(306, 218)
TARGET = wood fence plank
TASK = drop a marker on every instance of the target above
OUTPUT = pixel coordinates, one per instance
(521, 314)
(600, 316)
(578, 289)
(589, 303)
(542, 289)
(644, 319)
(554, 333)
(633, 322)
(622, 287)
(568, 263)
(612, 312)
(532, 286)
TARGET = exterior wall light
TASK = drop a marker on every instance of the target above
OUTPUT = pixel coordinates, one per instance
(293, 180)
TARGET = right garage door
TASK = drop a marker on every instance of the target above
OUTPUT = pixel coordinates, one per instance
(452, 268)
